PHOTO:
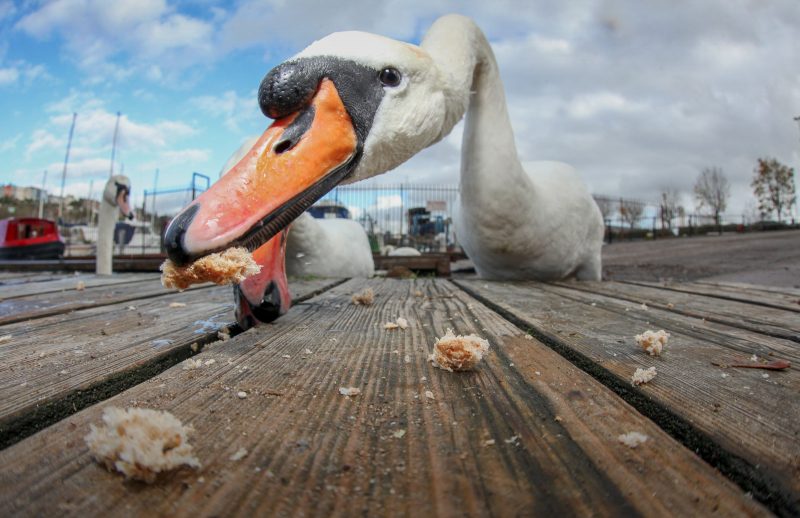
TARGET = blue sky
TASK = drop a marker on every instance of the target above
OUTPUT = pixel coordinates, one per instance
(639, 96)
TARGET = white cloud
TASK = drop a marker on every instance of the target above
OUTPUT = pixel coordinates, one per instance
(136, 32)
(7, 9)
(8, 76)
(10, 144)
(186, 156)
(234, 110)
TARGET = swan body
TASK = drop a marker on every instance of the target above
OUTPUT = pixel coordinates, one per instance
(328, 248)
(113, 202)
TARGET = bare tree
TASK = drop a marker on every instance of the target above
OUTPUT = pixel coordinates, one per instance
(668, 206)
(630, 211)
(712, 191)
(606, 206)
(773, 185)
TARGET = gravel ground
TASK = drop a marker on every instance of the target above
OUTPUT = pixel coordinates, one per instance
(768, 258)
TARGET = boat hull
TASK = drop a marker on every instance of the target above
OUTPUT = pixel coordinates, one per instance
(48, 250)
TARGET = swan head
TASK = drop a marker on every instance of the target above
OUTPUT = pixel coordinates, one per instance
(350, 106)
(117, 192)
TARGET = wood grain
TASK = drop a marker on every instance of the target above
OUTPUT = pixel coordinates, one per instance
(753, 417)
(70, 282)
(52, 366)
(526, 434)
(770, 321)
(750, 294)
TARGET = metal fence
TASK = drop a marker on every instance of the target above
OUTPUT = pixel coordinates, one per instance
(419, 216)
(415, 215)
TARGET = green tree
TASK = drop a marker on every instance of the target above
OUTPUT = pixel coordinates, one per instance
(773, 185)
(712, 191)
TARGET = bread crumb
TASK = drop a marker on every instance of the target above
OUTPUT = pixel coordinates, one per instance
(558, 419)
(227, 267)
(670, 305)
(528, 337)
(407, 359)
(653, 341)
(632, 439)
(194, 347)
(488, 442)
(390, 325)
(349, 391)
(402, 322)
(642, 376)
(239, 455)
(458, 353)
(223, 334)
(644, 306)
(399, 434)
(212, 361)
(241, 394)
(753, 358)
(80, 286)
(177, 304)
(5, 338)
(363, 298)
(429, 394)
(418, 293)
(140, 443)
(191, 364)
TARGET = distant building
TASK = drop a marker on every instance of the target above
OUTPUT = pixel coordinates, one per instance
(23, 193)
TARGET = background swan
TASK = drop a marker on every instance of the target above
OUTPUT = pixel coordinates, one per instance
(113, 202)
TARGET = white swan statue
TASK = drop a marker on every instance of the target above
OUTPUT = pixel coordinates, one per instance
(354, 105)
(113, 202)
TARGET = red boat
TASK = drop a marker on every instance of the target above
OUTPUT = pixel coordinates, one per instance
(30, 238)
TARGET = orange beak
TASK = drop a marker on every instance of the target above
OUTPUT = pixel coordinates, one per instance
(295, 162)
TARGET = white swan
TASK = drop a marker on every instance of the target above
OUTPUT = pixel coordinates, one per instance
(113, 202)
(353, 105)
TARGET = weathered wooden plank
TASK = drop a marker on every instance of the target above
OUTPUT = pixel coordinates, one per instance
(769, 321)
(748, 293)
(786, 290)
(20, 277)
(753, 418)
(71, 282)
(527, 434)
(50, 303)
(52, 366)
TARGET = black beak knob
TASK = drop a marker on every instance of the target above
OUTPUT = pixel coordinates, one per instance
(289, 87)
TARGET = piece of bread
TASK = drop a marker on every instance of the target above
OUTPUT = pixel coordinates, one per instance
(363, 298)
(228, 267)
(458, 353)
(140, 443)
(653, 341)
(642, 376)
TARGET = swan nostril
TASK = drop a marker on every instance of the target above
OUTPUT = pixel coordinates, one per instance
(282, 146)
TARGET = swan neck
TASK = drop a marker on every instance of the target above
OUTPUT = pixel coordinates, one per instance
(490, 164)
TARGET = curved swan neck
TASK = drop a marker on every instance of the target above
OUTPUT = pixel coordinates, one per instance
(468, 66)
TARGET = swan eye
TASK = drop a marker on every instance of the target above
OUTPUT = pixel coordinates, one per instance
(390, 76)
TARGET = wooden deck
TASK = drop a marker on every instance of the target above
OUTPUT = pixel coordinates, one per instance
(534, 431)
